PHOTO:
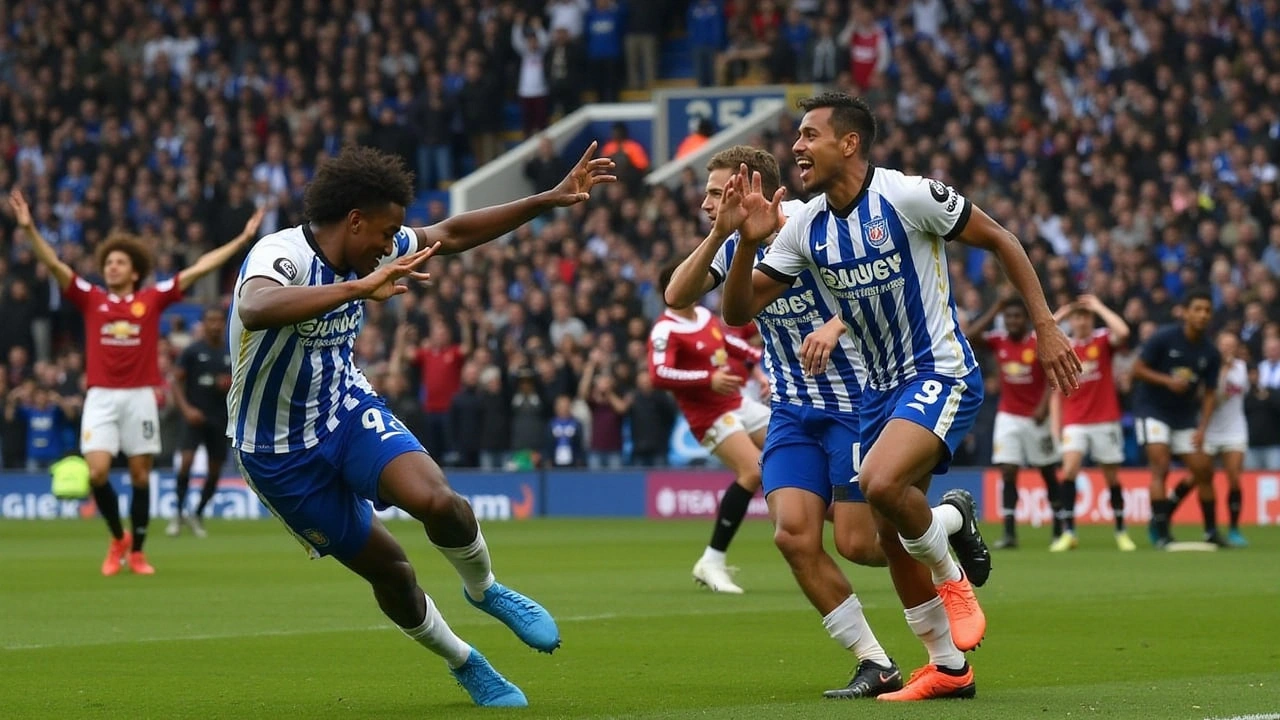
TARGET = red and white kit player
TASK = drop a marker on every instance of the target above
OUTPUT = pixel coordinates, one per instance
(1088, 421)
(756, 386)
(1022, 437)
(122, 335)
(690, 354)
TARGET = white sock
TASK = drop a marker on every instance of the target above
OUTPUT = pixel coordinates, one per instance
(950, 517)
(929, 623)
(713, 556)
(932, 550)
(435, 635)
(848, 626)
(472, 564)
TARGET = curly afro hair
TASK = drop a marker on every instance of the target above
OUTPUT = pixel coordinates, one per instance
(130, 245)
(359, 178)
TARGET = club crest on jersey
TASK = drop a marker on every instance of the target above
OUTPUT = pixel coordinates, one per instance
(876, 232)
(715, 333)
(315, 537)
(138, 308)
(1028, 356)
(1092, 352)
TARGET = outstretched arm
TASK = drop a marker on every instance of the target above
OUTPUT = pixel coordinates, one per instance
(472, 229)
(693, 278)
(216, 257)
(43, 250)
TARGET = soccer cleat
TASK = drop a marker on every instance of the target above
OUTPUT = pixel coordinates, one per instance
(485, 685)
(115, 554)
(1153, 534)
(715, 577)
(1008, 542)
(1124, 542)
(930, 683)
(138, 564)
(971, 549)
(1236, 540)
(526, 618)
(869, 680)
(968, 622)
(174, 528)
(1066, 541)
(196, 524)
(1215, 539)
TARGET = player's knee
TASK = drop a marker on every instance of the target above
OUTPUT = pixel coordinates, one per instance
(433, 502)
(861, 548)
(796, 547)
(397, 578)
(878, 488)
(749, 478)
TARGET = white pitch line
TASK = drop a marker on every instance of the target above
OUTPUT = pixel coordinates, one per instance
(1258, 716)
(463, 621)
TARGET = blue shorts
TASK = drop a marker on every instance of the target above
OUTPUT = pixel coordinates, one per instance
(945, 406)
(322, 494)
(812, 450)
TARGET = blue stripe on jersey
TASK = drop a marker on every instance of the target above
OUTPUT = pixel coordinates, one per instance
(913, 301)
(298, 406)
(867, 311)
(251, 378)
(782, 340)
(839, 358)
(271, 391)
(823, 381)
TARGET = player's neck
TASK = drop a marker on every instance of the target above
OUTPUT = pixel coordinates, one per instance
(1191, 333)
(848, 187)
(327, 242)
(688, 313)
(122, 290)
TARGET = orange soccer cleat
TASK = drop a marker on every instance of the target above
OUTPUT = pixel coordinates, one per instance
(115, 554)
(968, 622)
(138, 564)
(930, 683)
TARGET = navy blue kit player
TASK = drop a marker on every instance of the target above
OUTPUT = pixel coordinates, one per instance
(315, 442)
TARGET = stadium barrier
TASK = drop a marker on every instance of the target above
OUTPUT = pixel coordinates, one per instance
(678, 110)
(1261, 501)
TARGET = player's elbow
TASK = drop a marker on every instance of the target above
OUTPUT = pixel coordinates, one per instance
(737, 315)
(252, 314)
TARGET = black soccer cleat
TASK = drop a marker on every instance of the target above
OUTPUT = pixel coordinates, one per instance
(868, 681)
(1214, 538)
(971, 549)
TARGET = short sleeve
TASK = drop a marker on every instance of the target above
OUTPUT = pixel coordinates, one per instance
(168, 291)
(932, 206)
(275, 258)
(186, 360)
(79, 292)
(406, 241)
(788, 256)
(720, 263)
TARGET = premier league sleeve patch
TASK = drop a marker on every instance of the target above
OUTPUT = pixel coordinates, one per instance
(286, 268)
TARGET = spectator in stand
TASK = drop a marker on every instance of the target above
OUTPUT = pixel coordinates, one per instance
(467, 418)
(604, 32)
(439, 361)
(869, 49)
(545, 169)
(697, 138)
(565, 65)
(707, 37)
(529, 39)
(609, 406)
(620, 143)
(1262, 411)
(565, 437)
(644, 21)
(652, 416)
(528, 413)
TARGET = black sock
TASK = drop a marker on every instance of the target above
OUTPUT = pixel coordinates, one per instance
(184, 484)
(1009, 507)
(1053, 491)
(733, 508)
(1067, 491)
(1210, 510)
(104, 496)
(954, 672)
(1160, 512)
(140, 515)
(1234, 501)
(1117, 506)
(206, 493)
(1180, 492)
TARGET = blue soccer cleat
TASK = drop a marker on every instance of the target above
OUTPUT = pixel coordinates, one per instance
(1236, 540)
(526, 618)
(486, 687)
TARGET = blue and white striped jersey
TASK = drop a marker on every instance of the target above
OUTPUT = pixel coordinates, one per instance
(884, 260)
(290, 385)
(807, 306)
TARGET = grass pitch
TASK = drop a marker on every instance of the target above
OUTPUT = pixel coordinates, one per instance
(241, 625)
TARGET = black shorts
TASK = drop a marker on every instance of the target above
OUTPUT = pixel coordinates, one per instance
(213, 435)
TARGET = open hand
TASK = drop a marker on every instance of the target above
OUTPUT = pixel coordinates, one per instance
(725, 382)
(763, 214)
(255, 221)
(21, 211)
(381, 284)
(589, 172)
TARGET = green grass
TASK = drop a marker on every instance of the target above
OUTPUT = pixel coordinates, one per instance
(242, 626)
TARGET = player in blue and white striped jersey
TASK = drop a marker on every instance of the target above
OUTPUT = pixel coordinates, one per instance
(313, 439)
(815, 376)
(876, 238)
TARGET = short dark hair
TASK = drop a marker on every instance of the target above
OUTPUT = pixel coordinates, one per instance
(1016, 303)
(359, 178)
(848, 114)
(1197, 293)
(755, 159)
(129, 245)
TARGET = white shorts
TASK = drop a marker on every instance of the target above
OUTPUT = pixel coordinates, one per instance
(1230, 442)
(1155, 432)
(1104, 442)
(120, 419)
(750, 417)
(1021, 441)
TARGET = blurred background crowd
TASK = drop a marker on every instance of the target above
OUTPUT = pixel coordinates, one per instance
(1132, 145)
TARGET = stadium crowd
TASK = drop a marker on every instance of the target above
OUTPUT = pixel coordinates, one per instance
(1131, 145)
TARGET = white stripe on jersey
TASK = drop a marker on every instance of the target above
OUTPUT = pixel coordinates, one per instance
(783, 325)
(290, 385)
(885, 264)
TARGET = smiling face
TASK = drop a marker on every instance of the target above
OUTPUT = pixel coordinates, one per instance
(371, 236)
(821, 151)
(118, 272)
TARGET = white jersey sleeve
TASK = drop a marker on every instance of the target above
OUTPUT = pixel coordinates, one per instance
(720, 263)
(789, 254)
(406, 241)
(279, 257)
(930, 206)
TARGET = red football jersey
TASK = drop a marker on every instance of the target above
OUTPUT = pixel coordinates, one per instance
(1095, 401)
(683, 355)
(745, 333)
(1022, 379)
(122, 334)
